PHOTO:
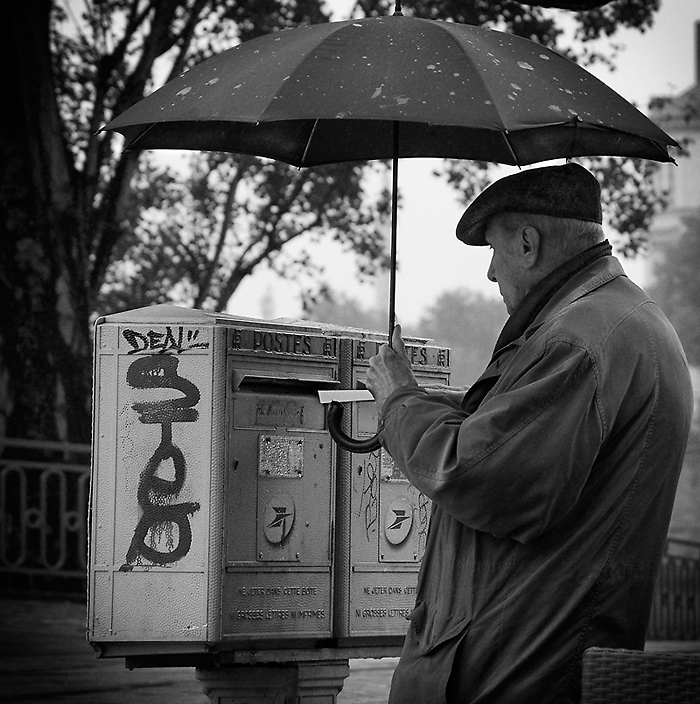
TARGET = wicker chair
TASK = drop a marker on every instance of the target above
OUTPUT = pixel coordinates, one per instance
(614, 676)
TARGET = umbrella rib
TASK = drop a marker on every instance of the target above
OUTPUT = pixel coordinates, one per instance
(506, 137)
(139, 137)
(477, 74)
(308, 143)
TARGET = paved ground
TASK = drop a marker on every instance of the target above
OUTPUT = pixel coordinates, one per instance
(44, 658)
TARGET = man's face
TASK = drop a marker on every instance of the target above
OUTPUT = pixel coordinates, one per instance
(507, 267)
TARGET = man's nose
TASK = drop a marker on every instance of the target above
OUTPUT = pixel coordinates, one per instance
(491, 273)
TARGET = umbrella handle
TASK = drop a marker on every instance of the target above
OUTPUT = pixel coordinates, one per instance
(335, 416)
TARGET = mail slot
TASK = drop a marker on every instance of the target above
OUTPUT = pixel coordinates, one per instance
(224, 518)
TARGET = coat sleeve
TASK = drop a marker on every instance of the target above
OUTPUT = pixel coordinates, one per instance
(515, 466)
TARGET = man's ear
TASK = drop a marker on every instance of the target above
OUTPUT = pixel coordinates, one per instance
(529, 243)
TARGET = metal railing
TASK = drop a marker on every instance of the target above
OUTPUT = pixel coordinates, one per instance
(675, 613)
(44, 489)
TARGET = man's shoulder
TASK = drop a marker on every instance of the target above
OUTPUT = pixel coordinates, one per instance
(617, 316)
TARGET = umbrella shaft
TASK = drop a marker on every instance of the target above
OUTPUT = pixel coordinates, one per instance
(394, 216)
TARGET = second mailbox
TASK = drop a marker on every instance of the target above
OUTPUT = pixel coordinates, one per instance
(382, 519)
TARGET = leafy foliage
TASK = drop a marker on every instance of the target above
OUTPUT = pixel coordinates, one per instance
(195, 238)
(630, 199)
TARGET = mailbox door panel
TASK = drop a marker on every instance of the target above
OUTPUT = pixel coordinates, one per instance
(279, 513)
(151, 482)
(389, 518)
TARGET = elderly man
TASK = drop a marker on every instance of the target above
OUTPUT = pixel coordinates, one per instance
(553, 477)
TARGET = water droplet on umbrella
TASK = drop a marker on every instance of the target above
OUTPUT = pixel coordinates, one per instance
(184, 91)
(525, 65)
(378, 91)
(212, 81)
(544, 56)
(556, 108)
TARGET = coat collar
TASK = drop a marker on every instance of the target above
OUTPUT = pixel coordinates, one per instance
(543, 292)
(566, 284)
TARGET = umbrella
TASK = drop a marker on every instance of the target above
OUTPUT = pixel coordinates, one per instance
(335, 92)
(387, 88)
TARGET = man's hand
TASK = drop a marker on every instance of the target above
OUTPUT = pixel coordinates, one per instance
(389, 369)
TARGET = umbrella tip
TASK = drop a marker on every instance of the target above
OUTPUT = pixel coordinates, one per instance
(398, 9)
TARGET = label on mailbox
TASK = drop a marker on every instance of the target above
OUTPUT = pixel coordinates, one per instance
(270, 604)
(281, 456)
(419, 355)
(303, 344)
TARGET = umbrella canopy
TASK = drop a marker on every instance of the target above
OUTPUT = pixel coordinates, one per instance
(334, 92)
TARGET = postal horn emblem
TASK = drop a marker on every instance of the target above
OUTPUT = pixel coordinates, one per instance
(398, 520)
(278, 518)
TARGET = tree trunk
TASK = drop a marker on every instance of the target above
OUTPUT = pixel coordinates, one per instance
(45, 352)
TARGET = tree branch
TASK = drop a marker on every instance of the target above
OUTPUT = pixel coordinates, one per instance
(204, 283)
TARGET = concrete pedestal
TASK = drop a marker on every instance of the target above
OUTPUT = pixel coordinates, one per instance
(312, 682)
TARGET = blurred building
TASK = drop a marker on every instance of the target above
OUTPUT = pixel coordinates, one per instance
(679, 116)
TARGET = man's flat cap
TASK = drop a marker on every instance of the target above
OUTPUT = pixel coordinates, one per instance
(567, 191)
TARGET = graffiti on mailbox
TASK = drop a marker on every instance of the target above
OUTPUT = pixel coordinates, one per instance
(178, 340)
(155, 493)
(369, 499)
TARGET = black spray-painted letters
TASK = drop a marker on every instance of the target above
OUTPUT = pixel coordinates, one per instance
(155, 492)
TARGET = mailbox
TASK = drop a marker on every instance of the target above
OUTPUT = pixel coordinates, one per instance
(385, 518)
(224, 519)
